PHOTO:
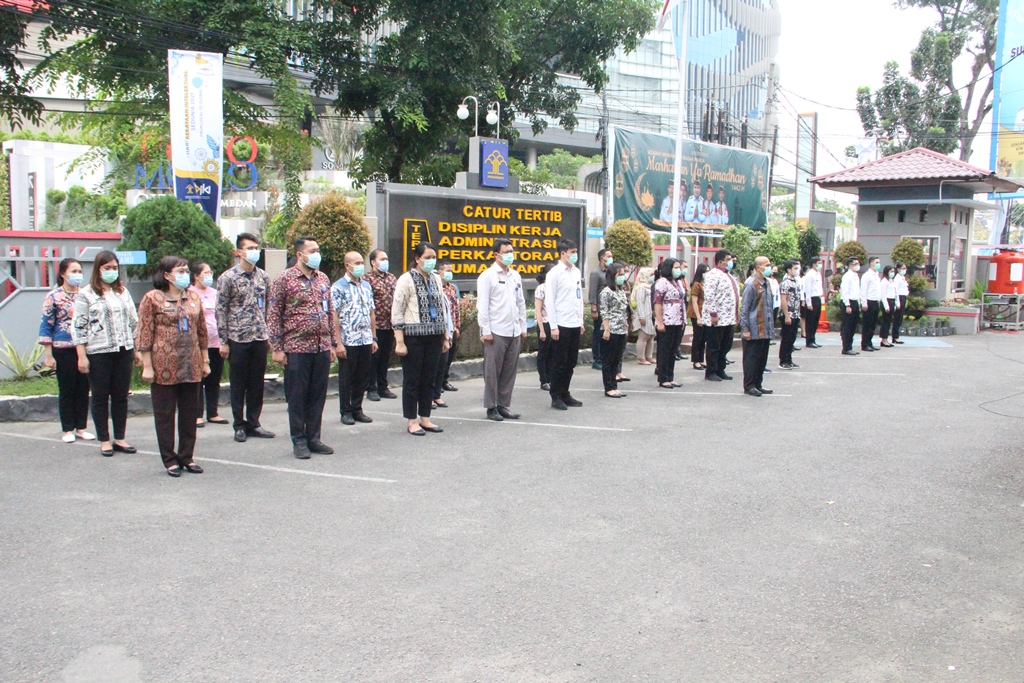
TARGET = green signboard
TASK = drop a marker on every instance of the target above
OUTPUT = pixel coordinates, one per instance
(721, 186)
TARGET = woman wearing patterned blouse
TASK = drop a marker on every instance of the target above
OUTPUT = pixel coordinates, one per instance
(614, 307)
(103, 330)
(55, 338)
(420, 317)
(209, 392)
(669, 301)
(173, 341)
(643, 321)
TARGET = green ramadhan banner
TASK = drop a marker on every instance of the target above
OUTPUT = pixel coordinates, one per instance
(721, 186)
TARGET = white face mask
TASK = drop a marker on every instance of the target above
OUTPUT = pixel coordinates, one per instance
(855, 268)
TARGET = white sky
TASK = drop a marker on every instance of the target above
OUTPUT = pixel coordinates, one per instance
(828, 49)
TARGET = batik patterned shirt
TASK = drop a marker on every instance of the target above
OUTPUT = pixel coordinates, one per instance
(614, 308)
(672, 299)
(55, 327)
(721, 298)
(791, 288)
(174, 332)
(242, 304)
(299, 317)
(354, 303)
(383, 286)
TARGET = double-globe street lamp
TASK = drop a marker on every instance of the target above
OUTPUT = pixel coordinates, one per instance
(493, 115)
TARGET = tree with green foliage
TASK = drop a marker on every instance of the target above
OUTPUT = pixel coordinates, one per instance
(845, 250)
(17, 106)
(739, 240)
(337, 226)
(778, 244)
(631, 242)
(909, 251)
(928, 108)
(166, 226)
(81, 211)
(810, 245)
(5, 196)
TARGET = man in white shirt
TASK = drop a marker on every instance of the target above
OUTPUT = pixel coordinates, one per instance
(721, 210)
(691, 214)
(871, 303)
(563, 308)
(666, 204)
(849, 292)
(501, 315)
(813, 294)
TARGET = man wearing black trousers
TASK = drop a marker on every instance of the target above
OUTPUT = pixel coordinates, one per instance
(721, 296)
(871, 303)
(354, 317)
(596, 284)
(849, 292)
(382, 283)
(242, 295)
(814, 293)
(563, 308)
(757, 323)
(789, 296)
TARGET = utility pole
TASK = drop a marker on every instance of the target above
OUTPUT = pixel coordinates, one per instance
(606, 194)
(771, 170)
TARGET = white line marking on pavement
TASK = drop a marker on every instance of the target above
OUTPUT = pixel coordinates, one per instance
(272, 468)
(676, 392)
(517, 422)
(856, 374)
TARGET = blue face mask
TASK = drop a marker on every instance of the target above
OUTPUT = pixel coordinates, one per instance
(208, 280)
(573, 258)
(253, 255)
(620, 280)
(729, 265)
(608, 261)
(76, 279)
(767, 271)
(677, 273)
(429, 264)
(358, 271)
(110, 276)
(448, 276)
(313, 261)
(182, 280)
(383, 266)
(508, 259)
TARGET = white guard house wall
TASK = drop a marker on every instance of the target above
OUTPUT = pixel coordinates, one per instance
(886, 215)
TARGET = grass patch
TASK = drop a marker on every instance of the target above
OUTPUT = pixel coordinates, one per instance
(36, 386)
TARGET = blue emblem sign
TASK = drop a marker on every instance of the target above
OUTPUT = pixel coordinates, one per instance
(131, 258)
(493, 163)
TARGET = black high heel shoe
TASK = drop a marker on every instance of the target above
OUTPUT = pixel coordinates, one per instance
(125, 449)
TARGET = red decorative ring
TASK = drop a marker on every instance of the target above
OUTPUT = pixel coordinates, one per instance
(230, 150)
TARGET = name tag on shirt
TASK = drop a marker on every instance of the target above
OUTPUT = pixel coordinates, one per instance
(183, 324)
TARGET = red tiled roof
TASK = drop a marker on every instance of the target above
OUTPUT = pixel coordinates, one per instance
(918, 164)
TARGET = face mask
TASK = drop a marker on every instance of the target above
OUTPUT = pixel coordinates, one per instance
(208, 280)
(903, 271)
(358, 271)
(429, 264)
(313, 261)
(767, 270)
(448, 275)
(729, 265)
(509, 258)
(110, 276)
(76, 279)
(620, 280)
(855, 269)
(817, 267)
(182, 281)
(891, 275)
(253, 255)
(677, 273)
(686, 271)
(383, 266)
(608, 261)
(878, 266)
(573, 258)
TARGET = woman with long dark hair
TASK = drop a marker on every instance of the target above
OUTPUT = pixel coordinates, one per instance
(890, 306)
(669, 299)
(103, 329)
(209, 391)
(55, 338)
(694, 311)
(420, 317)
(614, 307)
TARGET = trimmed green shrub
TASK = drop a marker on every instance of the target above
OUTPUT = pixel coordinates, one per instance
(630, 242)
(337, 226)
(851, 248)
(909, 251)
(165, 226)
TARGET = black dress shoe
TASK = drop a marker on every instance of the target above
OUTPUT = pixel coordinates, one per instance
(493, 414)
(558, 404)
(447, 386)
(814, 346)
(729, 362)
(174, 471)
(320, 448)
(387, 393)
(713, 378)
(435, 430)
(507, 414)
(869, 349)
(194, 469)
(850, 353)
(347, 419)
(240, 435)
(545, 387)
(571, 402)
(107, 453)
(362, 417)
(418, 432)
(125, 449)
(301, 451)
(372, 396)
(722, 375)
(766, 391)
(261, 433)
(752, 392)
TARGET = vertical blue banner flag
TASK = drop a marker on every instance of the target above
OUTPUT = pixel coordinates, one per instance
(195, 83)
(493, 163)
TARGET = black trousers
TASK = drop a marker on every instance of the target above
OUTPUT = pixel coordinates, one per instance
(897, 318)
(668, 347)
(382, 360)
(869, 321)
(849, 324)
(443, 366)
(562, 360)
(355, 372)
(73, 389)
(543, 353)
(248, 361)
(305, 387)
(110, 378)
(596, 339)
(887, 319)
(812, 316)
(209, 388)
(789, 335)
(698, 343)
(611, 355)
(719, 343)
(182, 399)
(755, 360)
(419, 372)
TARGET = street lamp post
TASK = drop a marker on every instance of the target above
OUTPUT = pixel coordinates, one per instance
(494, 118)
(463, 113)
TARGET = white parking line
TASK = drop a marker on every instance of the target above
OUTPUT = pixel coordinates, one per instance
(850, 374)
(272, 468)
(676, 392)
(515, 422)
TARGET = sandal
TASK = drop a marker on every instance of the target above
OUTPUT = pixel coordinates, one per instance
(440, 404)
(699, 366)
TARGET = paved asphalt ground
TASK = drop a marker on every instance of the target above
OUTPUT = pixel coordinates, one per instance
(863, 524)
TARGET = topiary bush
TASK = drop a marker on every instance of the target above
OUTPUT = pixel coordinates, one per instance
(778, 244)
(166, 226)
(739, 239)
(916, 305)
(810, 245)
(851, 248)
(908, 251)
(630, 242)
(917, 284)
(337, 226)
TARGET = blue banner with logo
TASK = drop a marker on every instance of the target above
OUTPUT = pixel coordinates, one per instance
(493, 163)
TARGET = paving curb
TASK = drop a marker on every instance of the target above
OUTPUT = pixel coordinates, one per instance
(44, 408)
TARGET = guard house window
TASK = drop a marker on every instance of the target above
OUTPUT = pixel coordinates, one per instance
(924, 215)
(881, 216)
(931, 256)
(901, 216)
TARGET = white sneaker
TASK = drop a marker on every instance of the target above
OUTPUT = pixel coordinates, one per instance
(86, 436)
(68, 438)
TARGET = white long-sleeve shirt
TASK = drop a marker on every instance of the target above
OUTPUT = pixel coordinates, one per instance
(849, 290)
(888, 288)
(501, 307)
(870, 287)
(902, 288)
(812, 287)
(563, 301)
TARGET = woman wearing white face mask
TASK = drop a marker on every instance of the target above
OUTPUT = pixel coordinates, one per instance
(902, 292)
(173, 341)
(55, 338)
(209, 392)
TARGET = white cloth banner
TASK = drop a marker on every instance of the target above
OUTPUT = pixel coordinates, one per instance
(196, 93)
